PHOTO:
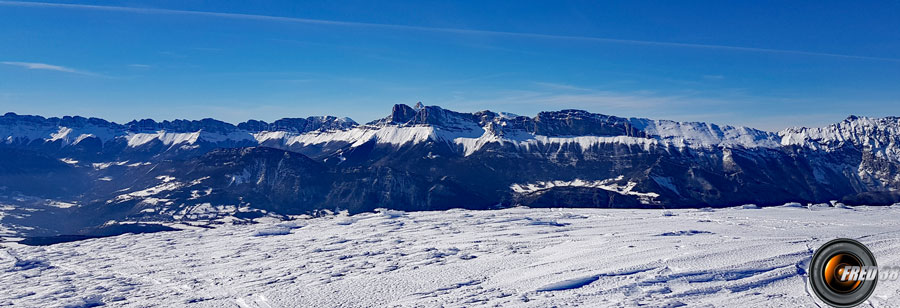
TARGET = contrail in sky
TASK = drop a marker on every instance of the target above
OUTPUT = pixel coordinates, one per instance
(430, 29)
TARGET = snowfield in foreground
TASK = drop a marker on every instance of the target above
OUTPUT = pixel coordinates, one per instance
(515, 257)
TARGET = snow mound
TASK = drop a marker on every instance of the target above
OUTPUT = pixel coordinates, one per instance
(279, 229)
(569, 284)
(793, 205)
(390, 213)
(272, 231)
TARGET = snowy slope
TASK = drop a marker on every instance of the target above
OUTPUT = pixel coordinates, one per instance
(881, 135)
(34, 128)
(699, 134)
(514, 257)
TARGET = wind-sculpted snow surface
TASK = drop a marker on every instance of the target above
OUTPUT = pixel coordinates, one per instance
(515, 257)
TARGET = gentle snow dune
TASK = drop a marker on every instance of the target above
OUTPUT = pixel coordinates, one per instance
(515, 257)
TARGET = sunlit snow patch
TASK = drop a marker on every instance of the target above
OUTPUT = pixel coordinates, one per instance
(60, 204)
(608, 185)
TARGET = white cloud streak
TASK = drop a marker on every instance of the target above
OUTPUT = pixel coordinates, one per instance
(41, 66)
(435, 29)
(47, 67)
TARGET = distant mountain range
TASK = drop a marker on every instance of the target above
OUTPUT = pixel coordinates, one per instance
(84, 172)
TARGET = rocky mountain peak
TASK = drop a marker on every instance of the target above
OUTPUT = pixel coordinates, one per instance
(299, 125)
(404, 115)
(180, 126)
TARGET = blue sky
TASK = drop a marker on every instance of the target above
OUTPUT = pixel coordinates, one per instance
(765, 64)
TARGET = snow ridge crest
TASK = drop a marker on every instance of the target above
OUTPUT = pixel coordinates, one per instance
(469, 131)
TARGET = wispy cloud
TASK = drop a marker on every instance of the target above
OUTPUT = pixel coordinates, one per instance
(559, 86)
(438, 29)
(40, 66)
(47, 67)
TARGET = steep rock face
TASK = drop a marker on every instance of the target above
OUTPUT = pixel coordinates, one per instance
(298, 125)
(582, 123)
(430, 158)
(238, 178)
(876, 142)
(228, 182)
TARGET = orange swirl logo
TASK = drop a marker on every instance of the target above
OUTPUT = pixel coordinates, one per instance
(843, 273)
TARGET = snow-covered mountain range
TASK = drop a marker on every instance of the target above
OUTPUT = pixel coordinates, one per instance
(427, 158)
